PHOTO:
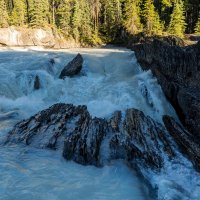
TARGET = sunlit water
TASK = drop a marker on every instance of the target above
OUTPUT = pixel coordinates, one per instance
(110, 80)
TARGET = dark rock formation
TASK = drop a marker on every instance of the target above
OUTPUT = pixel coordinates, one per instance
(52, 61)
(184, 139)
(195, 37)
(72, 68)
(173, 41)
(86, 140)
(177, 70)
(37, 83)
(131, 40)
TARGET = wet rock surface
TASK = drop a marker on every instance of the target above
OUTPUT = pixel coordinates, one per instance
(195, 37)
(37, 83)
(135, 137)
(73, 67)
(177, 70)
(186, 142)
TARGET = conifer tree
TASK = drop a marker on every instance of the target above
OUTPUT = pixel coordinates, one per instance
(177, 22)
(19, 13)
(9, 4)
(86, 22)
(39, 13)
(165, 11)
(152, 22)
(63, 16)
(53, 4)
(4, 14)
(112, 18)
(95, 6)
(95, 20)
(167, 3)
(197, 27)
(131, 16)
(76, 18)
(82, 21)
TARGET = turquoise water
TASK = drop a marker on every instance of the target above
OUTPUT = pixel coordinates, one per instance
(110, 80)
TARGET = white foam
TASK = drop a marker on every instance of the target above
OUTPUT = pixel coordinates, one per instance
(111, 80)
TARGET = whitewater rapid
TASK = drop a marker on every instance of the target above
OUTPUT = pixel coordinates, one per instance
(111, 80)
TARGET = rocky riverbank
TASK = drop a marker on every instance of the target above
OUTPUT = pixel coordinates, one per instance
(177, 70)
(24, 37)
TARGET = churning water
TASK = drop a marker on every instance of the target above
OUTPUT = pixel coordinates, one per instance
(110, 80)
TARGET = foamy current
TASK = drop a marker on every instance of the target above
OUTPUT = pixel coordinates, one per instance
(110, 80)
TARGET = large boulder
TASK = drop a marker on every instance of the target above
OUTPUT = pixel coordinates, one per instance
(27, 37)
(73, 67)
(177, 70)
(47, 37)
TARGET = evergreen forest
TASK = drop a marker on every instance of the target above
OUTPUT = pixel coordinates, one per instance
(93, 21)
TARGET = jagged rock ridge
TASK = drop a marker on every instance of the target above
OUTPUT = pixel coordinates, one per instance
(135, 137)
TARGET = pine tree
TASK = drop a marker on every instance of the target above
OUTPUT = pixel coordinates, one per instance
(19, 13)
(167, 3)
(92, 20)
(152, 22)
(63, 16)
(112, 18)
(9, 4)
(82, 21)
(39, 15)
(95, 6)
(76, 18)
(177, 22)
(86, 30)
(165, 10)
(197, 27)
(131, 16)
(53, 4)
(4, 14)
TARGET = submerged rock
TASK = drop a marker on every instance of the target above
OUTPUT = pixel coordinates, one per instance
(72, 68)
(52, 61)
(37, 83)
(177, 70)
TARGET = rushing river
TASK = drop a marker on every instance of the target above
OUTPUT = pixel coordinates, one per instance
(110, 80)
